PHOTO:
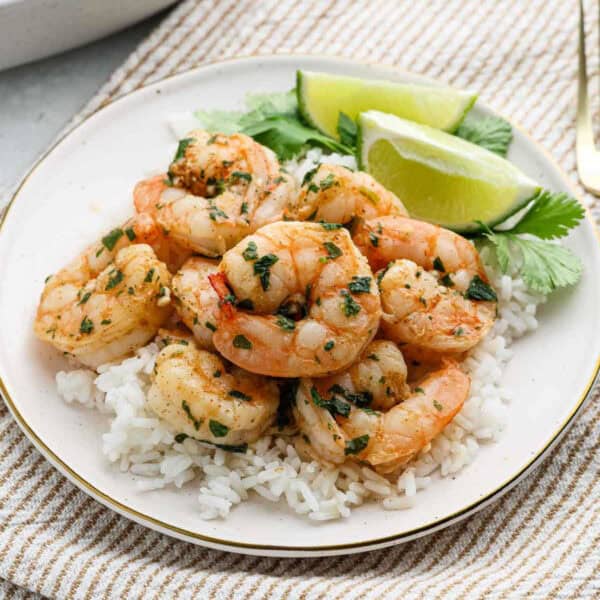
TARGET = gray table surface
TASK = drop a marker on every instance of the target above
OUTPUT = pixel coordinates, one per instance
(38, 99)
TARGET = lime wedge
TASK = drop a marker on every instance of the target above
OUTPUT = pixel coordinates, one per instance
(322, 96)
(439, 177)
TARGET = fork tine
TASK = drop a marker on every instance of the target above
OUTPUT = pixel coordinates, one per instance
(588, 158)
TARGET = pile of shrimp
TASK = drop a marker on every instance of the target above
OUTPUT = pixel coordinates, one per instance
(322, 302)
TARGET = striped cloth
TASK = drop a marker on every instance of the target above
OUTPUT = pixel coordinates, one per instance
(542, 538)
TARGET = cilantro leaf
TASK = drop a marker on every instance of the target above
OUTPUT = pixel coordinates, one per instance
(550, 216)
(347, 130)
(544, 266)
(492, 133)
(220, 121)
(547, 266)
(287, 136)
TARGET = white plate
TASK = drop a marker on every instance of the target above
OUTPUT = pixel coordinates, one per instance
(83, 186)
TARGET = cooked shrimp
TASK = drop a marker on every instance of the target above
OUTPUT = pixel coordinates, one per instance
(336, 194)
(449, 313)
(314, 303)
(419, 311)
(225, 188)
(377, 380)
(106, 303)
(196, 301)
(198, 395)
(385, 440)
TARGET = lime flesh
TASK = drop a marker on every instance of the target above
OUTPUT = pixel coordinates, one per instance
(441, 178)
(322, 96)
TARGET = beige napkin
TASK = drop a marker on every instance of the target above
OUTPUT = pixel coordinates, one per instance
(542, 538)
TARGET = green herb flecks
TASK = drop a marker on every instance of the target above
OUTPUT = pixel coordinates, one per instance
(241, 341)
(114, 278)
(333, 251)
(349, 306)
(109, 241)
(335, 406)
(218, 429)
(285, 323)
(149, 276)
(360, 285)
(250, 253)
(86, 325)
(262, 268)
(480, 290)
(357, 444)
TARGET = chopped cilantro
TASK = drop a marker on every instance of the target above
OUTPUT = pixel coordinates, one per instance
(86, 325)
(130, 233)
(149, 276)
(333, 251)
(360, 285)
(329, 345)
(480, 290)
(349, 306)
(218, 429)
(241, 341)
(285, 323)
(114, 278)
(356, 445)
(262, 268)
(335, 405)
(110, 240)
(250, 253)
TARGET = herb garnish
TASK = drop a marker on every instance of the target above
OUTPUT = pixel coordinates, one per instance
(480, 290)
(130, 233)
(149, 276)
(285, 323)
(360, 285)
(335, 405)
(262, 268)
(347, 130)
(241, 341)
(114, 278)
(218, 429)
(86, 325)
(329, 345)
(250, 253)
(356, 445)
(110, 240)
(333, 251)
(349, 306)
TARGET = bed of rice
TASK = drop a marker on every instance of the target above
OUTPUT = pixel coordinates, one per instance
(142, 444)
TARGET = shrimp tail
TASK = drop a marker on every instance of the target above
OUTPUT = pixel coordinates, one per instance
(226, 298)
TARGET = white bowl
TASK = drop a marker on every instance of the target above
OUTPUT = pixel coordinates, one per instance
(32, 29)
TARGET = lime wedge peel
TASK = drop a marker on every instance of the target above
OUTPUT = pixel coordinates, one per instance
(322, 96)
(439, 177)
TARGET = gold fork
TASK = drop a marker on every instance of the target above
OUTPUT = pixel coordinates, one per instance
(588, 157)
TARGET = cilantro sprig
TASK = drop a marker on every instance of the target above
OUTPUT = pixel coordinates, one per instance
(492, 133)
(274, 121)
(544, 265)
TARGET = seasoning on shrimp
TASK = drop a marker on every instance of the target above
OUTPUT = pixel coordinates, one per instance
(196, 302)
(325, 325)
(386, 438)
(448, 314)
(232, 409)
(219, 189)
(334, 194)
(85, 311)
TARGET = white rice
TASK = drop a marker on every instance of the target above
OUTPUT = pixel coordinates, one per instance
(142, 444)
